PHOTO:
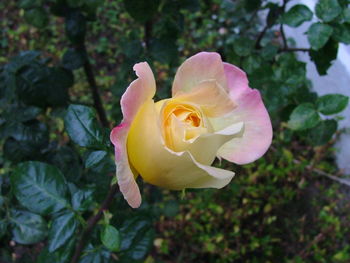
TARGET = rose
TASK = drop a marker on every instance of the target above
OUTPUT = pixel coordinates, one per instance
(172, 143)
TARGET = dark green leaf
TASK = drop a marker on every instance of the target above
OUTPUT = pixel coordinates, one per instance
(164, 50)
(26, 140)
(274, 12)
(37, 17)
(342, 33)
(171, 208)
(83, 128)
(60, 79)
(141, 248)
(61, 230)
(27, 4)
(95, 158)
(141, 11)
(75, 3)
(28, 228)
(73, 59)
(39, 187)
(243, 46)
(3, 227)
(327, 10)
(132, 230)
(318, 35)
(303, 117)
(82, 199)
(95, 255)
(269, 51)
(297, 15)
(324, 56)
(75, 27)
(62, 255)
(332, 103)
(110, 238)
(346, 15)
(68, 161)
(323, 132)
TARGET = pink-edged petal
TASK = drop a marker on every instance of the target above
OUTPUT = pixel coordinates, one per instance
(237, 81)
(140, 91)
(198, 68)
(257, 135)
(213, 99)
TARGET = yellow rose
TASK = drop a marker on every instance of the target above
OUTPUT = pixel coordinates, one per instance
(172, 143)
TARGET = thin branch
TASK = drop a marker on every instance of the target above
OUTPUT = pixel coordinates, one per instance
(291, 49)
(322, 173)
(284, 39)
(261, 35)
(148, 34)
(93, 220)
(95, 93)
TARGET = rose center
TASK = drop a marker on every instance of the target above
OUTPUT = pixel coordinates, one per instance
(181, 123)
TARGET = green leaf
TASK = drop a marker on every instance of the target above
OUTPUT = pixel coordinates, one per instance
(68, 161)
(318, 35)
(75, 27)
(323, 132)
(94, 158)
(26, 140)
(110, 238)
(332, 103)
(37, 17)
(303, 117)
(39, 187)
(324, 56)
(28, 228)
(297, 15)
(171, 208)
(327, 10)
(243, 46)
(274, 13)
(27, 4)
(62, 255)
(341, 33)
(61, 230)
(83, 128)
(3, 227)
(141, 11)
(95, 255)
(346, 15)
(73, 59)
(164, 50)
(137, 238)
(141, 248)
(82, 199)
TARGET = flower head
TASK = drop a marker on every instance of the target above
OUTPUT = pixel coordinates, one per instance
(173, 142)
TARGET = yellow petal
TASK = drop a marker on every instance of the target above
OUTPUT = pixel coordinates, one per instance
(210, 96)
(162, 167)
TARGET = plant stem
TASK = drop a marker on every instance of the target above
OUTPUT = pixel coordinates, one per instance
(93, 86)
(92, 221)
(291, 49)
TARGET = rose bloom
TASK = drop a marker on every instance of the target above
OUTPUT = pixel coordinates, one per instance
(173, 142)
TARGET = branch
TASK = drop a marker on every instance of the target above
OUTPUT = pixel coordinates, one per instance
(261, 35)
(93, 86)
(322, 173)
(148, 34)
(291, 49)
(93, 220)
(284, 39)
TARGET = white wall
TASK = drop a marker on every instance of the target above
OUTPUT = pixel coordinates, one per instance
(337, 80)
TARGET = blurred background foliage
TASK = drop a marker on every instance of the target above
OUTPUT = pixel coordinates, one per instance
(64, 66)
